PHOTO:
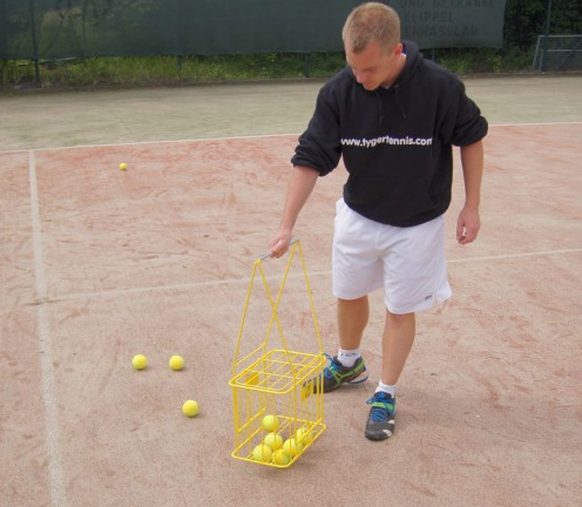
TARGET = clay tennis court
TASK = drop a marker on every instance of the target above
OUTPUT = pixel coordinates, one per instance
(99, 264)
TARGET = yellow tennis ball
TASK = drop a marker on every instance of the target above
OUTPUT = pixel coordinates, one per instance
(190, 408)
(262, 452)
(273, 440)
(176, 363)
(292, 447)
(123, 166)
(139, 362)
(304, 436)
(270, 423)
(280, 457)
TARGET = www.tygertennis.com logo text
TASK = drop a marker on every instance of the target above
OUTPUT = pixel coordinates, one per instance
(394, 141)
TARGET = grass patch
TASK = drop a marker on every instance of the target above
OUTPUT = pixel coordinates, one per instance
(155, 70)
(484, 60)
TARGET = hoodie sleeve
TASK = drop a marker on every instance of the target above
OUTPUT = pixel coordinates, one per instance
(467, 126)
(319, 146)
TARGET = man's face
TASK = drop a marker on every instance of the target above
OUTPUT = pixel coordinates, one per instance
(374, 66)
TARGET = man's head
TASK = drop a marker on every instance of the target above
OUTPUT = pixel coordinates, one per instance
(371, 37)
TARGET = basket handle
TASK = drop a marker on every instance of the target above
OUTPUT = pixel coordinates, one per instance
(274, 303)
(269, 255)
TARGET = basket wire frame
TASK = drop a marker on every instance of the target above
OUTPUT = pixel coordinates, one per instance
(277, 381)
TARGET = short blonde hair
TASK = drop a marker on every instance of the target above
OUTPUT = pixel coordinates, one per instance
(372, 21)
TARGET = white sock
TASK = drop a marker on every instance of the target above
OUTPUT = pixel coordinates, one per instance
(348, 357)
(385, 388)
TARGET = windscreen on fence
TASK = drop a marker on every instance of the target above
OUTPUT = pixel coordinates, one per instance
(58, 29)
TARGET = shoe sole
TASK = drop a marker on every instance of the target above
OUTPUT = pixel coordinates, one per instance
(376, 437)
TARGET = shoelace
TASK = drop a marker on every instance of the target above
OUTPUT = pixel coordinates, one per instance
(381, 410)
(379, 414)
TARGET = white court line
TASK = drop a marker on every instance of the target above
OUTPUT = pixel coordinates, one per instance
(536, 124)
(312, 274)
(542, 253)
(235, 138)
(45, 344)
(145, 143)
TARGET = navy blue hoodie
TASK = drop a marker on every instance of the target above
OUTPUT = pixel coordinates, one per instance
(396, 143)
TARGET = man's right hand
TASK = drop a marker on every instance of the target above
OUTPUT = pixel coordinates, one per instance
(279, 244)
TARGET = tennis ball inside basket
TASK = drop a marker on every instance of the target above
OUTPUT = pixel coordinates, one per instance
(292, 447)
(273, 440)
(270, 423)
(304, 436)
(280, 457)
(262, 452)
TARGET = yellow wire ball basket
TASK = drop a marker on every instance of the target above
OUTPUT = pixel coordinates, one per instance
(277, 392)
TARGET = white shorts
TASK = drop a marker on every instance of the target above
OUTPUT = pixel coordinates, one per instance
(407, 262)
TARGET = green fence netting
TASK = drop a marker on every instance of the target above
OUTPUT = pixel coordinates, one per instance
(60, 29)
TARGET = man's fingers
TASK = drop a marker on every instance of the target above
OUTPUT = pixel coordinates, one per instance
(467, 235)
(279, 248)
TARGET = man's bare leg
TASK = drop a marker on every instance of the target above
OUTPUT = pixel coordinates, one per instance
(397, 340)
(352, 318)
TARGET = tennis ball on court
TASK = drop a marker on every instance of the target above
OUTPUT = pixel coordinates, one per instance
(190, 408)
(176, 363)
(292, 447)
(139, 362)
(123, 166)
(270, 423)
(304, 436)
(262, 452)
(280, 457)
(273, 440)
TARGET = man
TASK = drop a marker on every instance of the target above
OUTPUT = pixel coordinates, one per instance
(394, 118)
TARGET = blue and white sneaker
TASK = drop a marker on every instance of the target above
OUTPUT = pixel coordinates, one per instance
(380, 423)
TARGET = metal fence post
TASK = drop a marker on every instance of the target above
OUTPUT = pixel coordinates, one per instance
(34, 43)
(544, 62)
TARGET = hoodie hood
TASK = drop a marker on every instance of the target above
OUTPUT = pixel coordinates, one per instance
(413, 60)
